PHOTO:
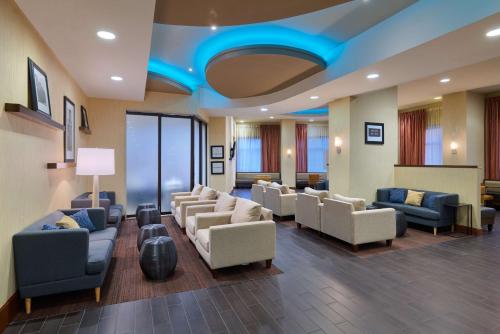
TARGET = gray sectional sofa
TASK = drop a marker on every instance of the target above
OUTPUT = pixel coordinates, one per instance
(54, 261)
(114, 212)
(433, 211)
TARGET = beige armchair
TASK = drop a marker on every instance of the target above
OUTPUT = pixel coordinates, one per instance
(207, 196)
(308, 211)
(245, 235)
(258, 193)
(357, 227)
(194, 194)
(280, 204)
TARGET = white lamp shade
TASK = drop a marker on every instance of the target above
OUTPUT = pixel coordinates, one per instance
(95, 161)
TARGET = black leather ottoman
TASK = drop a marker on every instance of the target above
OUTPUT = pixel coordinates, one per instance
(401, 224)
(148, 216)
(158, 257)
(149, 231)
(143, 206)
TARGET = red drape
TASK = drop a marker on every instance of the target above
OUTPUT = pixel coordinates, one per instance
(301, 147)
(412, 137)
(271, 139)
(492, 138)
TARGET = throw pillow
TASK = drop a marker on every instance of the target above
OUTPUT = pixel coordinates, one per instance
(414, 198)
(208, 194)
(283, 188)
(263, 183)
(225, 202)
(429, 201)
(83, 220)
(48, 227)
(67, 222)
(359, 204)
(245, 211)
(197, 189)
(321, 194)
(103, 195)
(397, 195)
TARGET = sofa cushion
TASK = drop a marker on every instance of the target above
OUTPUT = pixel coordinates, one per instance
(197, 189)
(245, 211)
(411, 210)
(397, 195)
(321, 194)
(359, 204)
(414, 198)
(208, 194)
(106, 234)
(202, 237)
(190, 224)
(282, 187)
(100, 252)
(67, 222)
(225, 202)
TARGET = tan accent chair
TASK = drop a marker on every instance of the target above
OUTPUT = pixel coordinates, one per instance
(224, 242)
(280, 204)
(339, 220)
(258, 193)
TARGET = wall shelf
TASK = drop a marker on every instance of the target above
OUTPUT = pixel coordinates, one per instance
(85, 130)
(60, 165)
(22, 111)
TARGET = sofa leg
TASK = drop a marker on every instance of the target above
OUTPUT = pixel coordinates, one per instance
(490, 227)
(435, 231)
(355, 248)
(183, 229)
(214, 273)
(388, 243)
(269, 263)
(299, 226)
(97, 294)
(452, 228)
(27, 305)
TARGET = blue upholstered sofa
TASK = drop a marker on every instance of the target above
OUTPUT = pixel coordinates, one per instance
(107, 200)
(433, 211)
(54, 261)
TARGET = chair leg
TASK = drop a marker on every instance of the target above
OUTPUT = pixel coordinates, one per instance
(183, 229)
(388, 243)
(435, 231)
(490, 227)
(269, 263)
(214, 273)
(299, 226)
(27, 305)
(355, 248)
(97, 294)
(452, 227)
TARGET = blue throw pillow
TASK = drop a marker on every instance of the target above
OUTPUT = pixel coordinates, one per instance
(428, 201)
(48, 227)
(103, 195)
(83, 220)
(397, 195)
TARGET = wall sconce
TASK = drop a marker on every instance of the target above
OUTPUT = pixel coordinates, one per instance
(289, 152)
(338, 144)
(453, 147)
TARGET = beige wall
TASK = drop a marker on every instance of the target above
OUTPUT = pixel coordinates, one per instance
(475, 131)
(28, 189)
(221, 132)
(108, 122)
(462, 181)
(288, 162)
(360, 169)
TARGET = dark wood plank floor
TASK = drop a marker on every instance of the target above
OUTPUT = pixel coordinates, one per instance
(450, 287)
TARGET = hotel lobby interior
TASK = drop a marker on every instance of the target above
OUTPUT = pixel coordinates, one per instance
(228, 166)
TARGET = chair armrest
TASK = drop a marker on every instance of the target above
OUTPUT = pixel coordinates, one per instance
(97, 216)
(187, 204)
(180, 199)
(266, 214)
(205, 220)
(373, 225)
(47, 256)
(194, 209)
(288, 202)
(177, 194)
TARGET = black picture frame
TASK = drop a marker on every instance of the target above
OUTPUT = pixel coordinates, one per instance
(217, 168)
(84, 118)
(69, 130)
(39, 89)
(217, 152)
(374, 133)
(232, 151)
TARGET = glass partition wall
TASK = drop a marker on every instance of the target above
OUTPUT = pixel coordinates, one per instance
(164, 154)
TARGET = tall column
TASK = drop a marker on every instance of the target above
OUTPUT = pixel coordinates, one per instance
(288, 152)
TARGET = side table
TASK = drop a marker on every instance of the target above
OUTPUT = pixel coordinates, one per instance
(456, 207)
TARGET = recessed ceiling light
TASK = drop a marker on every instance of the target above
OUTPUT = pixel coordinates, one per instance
(314, 97)
(372, 76)
(242, 121)
(106, 35)
(264, 109)
(445, 80)
(213, 27)
(271, 117)
(493, 33)
(190, 69)
(438, 98)
(116, 78)
(311, 120)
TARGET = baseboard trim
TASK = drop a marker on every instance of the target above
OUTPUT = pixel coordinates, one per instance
(465, 229)
(8, 311)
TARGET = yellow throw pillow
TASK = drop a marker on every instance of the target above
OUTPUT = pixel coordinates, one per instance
(67, 222)
(414, 198)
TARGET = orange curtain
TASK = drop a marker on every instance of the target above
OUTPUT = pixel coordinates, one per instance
(412, 137)
(271, 146)
(301, 147)
(492, 138)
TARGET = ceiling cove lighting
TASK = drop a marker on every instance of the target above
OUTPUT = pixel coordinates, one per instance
(213, 27)
(174, 73)
(493, 33)
(438, 98)
(190, 69)
(445, 80)
(271, 117)
(106, 35)
(116, 78)
(314, 97)
(264, 109)
(372, 76)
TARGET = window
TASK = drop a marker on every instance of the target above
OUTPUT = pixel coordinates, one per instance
(433, 135)
(248, 148)
(317, 148)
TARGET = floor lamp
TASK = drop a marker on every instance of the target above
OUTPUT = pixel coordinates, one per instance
(95, 162)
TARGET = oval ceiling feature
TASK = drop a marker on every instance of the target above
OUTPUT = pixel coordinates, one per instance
(260, 70)
(231, 12)
(158, 83)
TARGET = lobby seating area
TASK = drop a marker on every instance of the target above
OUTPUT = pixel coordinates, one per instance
(114, 213)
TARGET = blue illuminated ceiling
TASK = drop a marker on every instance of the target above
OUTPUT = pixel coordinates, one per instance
(323, 111)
